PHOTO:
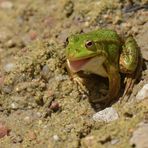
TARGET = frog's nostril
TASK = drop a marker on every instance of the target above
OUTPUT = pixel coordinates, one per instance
(77, 50)
(67, 41)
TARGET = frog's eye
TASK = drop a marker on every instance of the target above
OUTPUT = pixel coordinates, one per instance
(90, 45)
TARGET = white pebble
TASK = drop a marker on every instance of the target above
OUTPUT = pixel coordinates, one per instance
(56, 137)
(14, 105)
(9, 67)
(39, 114)
(27, 118)
(114, 141)
(108, 114)
(143, 93)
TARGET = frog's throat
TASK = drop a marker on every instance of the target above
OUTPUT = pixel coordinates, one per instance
(77, 65)
(92, 65)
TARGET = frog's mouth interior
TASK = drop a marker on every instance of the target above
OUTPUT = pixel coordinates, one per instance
(77, 65)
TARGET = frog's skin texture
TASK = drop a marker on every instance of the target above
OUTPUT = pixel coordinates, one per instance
(103, 53)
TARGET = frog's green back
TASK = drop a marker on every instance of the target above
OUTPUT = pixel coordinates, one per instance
(101, 35)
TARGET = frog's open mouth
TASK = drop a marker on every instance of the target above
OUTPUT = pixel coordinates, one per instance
(77, 65)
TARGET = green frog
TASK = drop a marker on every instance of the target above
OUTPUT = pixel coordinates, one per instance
(104, 53)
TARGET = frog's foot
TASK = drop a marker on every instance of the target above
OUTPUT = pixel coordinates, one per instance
(129, 81)
(80, 82)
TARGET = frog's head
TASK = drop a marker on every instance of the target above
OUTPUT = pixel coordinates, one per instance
(81, 48)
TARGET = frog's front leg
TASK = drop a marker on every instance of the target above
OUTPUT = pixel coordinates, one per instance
(130, 63)
(80, 82)
(114, 84)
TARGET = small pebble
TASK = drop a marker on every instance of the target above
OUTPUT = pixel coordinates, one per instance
(39, 115)
(33, 35)
(6, 5)
(54, 106)
(143, 93)
(114, 141)
(9, 67)
(56, 137)
(108, 114)
(40, 122)
(31, 135)
(27, 119)
(7, 89)
(45, 72)
(3, 130)
(14, 105)
(10, 44)
(86, 24)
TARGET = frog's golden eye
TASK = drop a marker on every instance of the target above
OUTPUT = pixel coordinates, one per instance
(90, 45)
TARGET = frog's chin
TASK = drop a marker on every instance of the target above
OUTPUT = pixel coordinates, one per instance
(77, 65)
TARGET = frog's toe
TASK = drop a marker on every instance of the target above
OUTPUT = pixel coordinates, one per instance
(128, 87)
(80, 82)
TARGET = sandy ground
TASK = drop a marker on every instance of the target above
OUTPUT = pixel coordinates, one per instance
(40, 106)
